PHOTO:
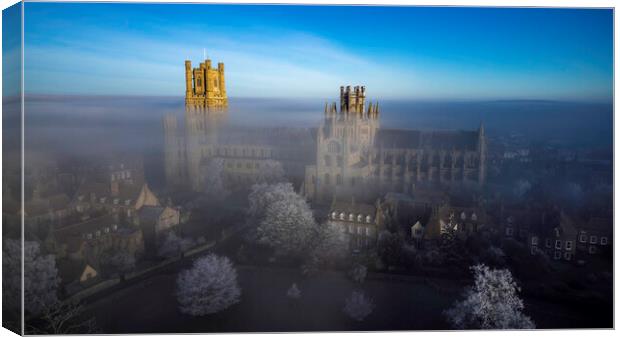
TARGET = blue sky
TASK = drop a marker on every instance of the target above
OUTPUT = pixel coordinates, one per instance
(309, 51)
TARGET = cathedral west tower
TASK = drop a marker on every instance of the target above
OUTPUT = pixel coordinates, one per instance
(205, 86)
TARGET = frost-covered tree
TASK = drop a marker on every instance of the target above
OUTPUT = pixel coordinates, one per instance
(173, 245)
(293, 292)
(208, 287)
(288, 226)
(40, 276)
(214, 185)
(358, 306)
(358, 273)
(270, 172)
(330, 245)
(492, 303)
(263, 195)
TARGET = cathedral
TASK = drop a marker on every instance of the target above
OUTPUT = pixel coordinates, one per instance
(354, 156)
(348, 155)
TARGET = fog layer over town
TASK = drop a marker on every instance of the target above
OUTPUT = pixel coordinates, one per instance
(137, 206)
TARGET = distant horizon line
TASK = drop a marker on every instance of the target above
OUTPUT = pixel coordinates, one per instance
(11, 98)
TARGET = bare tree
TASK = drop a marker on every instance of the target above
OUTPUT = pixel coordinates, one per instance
(208, 287)
(492, 303)
(62, 318)
(358, 306)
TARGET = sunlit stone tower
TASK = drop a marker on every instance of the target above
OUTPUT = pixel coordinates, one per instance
(205, 86)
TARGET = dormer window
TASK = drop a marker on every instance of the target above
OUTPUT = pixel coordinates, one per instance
(603, 240)
(351, 217)
(360, 218)
(334, 215)
(114, 227)
(368, 218)
(463, 216)
(342, 216)
(474, 217)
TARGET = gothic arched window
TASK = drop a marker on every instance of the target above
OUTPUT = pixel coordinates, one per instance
(333, 147)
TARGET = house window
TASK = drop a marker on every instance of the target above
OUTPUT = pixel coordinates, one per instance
(367, 231)
(592, 249)
(114, 227)
(360, 230)
(534, 240)
(593, 239)
(89, 236)
(603, 240)
(351, 229)
(557, 255)
(98, 233)
(548, 243)
(568, 256)
(360, 218)
(368, 218)
(558, 244)
(338, 179)
(509, 231)
(583, 238)
(334, 215)
(569, 245)
(106, 230)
